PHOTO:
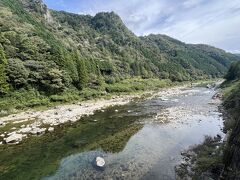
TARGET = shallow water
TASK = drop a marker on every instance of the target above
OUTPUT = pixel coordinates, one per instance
(168, 125)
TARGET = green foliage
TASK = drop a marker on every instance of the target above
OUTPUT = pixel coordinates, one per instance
(52, 51)
(233, 72)
(21, 99)
(82, 73)
(3, 78)
(137, 84)
(17, 73)
(231, 104)
(53, 81)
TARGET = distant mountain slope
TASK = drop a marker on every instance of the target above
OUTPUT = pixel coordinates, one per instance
(51, 50)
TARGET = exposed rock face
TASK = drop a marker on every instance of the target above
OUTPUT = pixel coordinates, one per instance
(38, 7)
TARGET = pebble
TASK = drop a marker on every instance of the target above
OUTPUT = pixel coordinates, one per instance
(50, 129)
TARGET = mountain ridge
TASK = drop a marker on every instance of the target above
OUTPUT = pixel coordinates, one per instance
(32, 36)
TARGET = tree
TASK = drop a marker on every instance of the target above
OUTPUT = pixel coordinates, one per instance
(233, 72)
(82, 73)
(3, 79)
(53, 81)
(17, 73)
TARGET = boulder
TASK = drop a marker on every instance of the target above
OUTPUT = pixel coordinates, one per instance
(25, 130)
(100, 162)
(14, 138)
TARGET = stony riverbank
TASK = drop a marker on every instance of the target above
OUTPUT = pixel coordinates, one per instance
(14, 128)
(204, 161)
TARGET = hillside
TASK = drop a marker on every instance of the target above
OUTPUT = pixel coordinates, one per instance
(50, 52)
(232, 122)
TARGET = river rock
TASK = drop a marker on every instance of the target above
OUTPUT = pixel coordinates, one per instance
(50, 129)
(100, 162)
(163, 99)
(14, 138)
(25, 130)
(38, 131)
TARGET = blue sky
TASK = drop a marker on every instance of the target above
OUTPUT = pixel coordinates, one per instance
(214, 22)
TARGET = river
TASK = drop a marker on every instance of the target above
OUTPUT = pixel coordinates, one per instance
(161, 129)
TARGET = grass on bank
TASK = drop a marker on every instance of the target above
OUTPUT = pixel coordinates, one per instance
(22, 99)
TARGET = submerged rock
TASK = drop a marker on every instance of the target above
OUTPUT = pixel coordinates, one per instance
(163, 99)
(99, 163)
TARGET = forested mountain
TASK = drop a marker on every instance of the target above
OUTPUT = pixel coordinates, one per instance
(50, 51)
(232, 122)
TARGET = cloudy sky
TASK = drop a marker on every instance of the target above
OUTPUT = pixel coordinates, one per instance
(214, 22)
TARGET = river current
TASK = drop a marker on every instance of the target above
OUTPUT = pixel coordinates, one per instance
(165, 126)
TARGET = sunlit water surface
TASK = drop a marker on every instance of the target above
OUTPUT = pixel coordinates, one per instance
(153, 151)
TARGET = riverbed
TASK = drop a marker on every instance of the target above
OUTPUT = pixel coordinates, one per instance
(140, 140)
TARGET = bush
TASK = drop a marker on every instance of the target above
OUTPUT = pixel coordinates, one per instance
(118, 88)
(90, 93)
(234, 72)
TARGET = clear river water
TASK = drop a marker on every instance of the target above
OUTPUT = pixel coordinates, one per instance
(141, 140)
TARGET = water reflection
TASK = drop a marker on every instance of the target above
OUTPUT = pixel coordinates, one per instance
(155, 149)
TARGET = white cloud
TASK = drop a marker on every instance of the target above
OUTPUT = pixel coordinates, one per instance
(214, 22)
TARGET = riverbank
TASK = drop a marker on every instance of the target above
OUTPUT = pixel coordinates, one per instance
(125, 136)
(217, 157)
(14, 128)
